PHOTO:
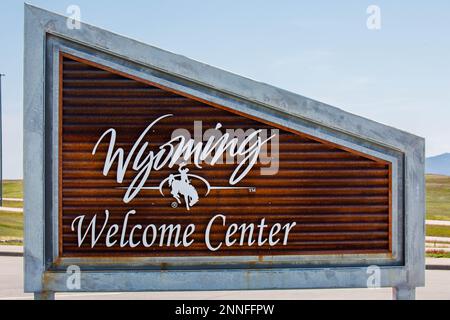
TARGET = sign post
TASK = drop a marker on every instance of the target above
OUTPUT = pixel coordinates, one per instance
(148, 171)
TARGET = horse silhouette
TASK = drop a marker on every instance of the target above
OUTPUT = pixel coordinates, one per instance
(185, 189)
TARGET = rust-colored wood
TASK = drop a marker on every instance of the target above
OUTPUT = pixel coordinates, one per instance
(340, 198)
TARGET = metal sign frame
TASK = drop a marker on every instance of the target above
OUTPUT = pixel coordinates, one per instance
(47, 37)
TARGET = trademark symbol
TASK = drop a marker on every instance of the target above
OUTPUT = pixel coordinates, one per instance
(174, 204)
(252, 190)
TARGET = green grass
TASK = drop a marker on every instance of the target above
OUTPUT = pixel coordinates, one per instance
(438, 231)
(438, 255)
(14, 242)
(11, 225)
(13, 204)
(13, 189)
(438, 197)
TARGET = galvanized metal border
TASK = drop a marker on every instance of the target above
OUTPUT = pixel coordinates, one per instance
(122, 281)
(39, 22)
(33, 153)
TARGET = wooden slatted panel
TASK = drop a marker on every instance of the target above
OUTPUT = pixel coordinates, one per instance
(340, 199)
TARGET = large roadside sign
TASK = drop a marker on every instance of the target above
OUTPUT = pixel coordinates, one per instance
(145, 170)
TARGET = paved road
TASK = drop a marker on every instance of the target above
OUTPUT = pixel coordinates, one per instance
(11, 287)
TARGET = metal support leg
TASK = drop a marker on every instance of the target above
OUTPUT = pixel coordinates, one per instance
(47, 295)
(403, 293)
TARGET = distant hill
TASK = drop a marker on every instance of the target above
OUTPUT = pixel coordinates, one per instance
(438, 165)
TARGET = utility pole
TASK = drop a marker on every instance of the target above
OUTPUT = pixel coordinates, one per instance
(1, 144)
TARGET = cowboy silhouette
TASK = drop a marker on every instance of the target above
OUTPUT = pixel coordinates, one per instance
(183, 187)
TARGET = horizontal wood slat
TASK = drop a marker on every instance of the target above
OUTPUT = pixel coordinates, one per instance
(339, 198)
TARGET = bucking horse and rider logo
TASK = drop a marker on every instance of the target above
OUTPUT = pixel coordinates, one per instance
(183, 187)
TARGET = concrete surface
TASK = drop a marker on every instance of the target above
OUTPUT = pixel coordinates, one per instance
(438, 264)
(438, 239)
(11, 288)
(11, 251)
(13, 199)
(437, 245)
(437, 223)
(11, 209)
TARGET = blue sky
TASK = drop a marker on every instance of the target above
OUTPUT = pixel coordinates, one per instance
(398, 75)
